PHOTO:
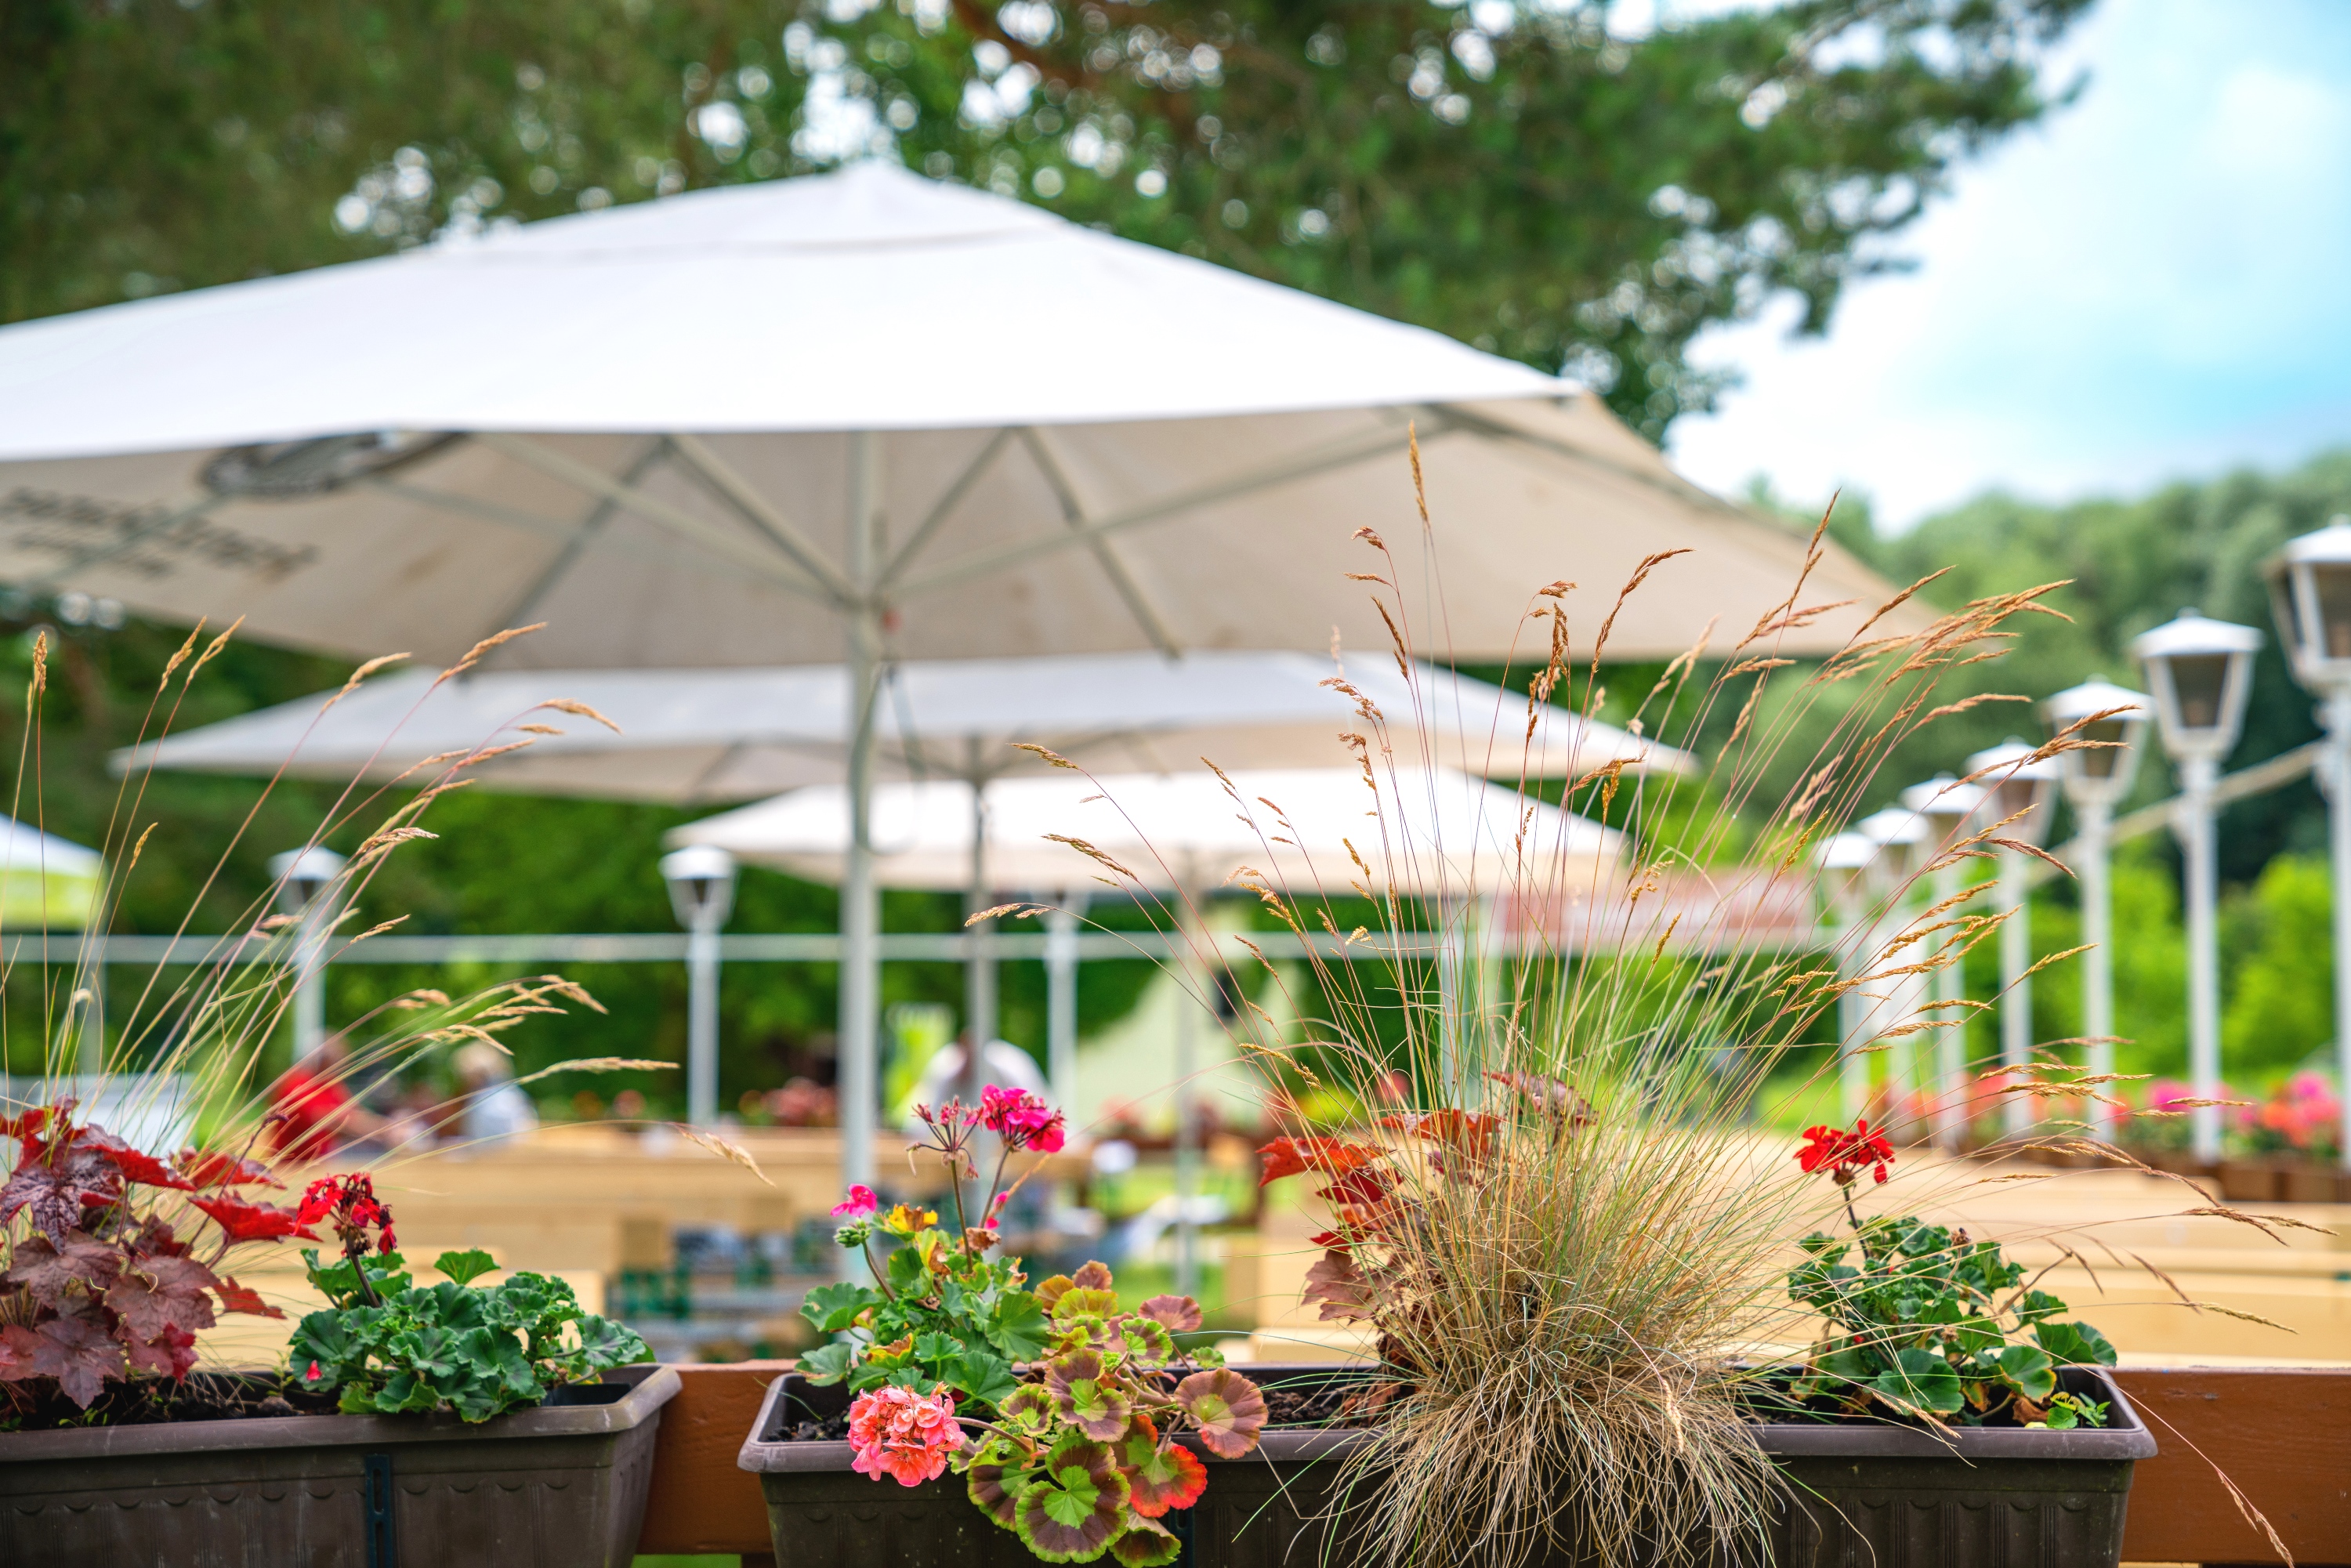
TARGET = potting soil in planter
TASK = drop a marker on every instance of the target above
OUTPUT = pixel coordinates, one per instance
(1883, 1495)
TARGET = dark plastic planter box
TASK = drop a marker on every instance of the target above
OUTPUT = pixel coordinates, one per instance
(558, 1487)
(1889, 1497)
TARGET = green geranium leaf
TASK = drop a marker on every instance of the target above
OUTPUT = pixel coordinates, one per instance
(826, 1364)
(1920, 1380)
(1086, 1396)
(908, 1274)
(1018, 1327)
(604, 1343)
(931, 1345)
(2074, 1345)
(2028, 1371)
(987, 1378)
(465, 1267)
(832, 1308)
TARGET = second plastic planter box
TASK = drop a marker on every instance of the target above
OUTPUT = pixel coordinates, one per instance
(1864, 1493)
(557, 1487)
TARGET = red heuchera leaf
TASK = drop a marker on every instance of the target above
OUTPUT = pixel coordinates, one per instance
(237, 1298)
(1229, 1408)
(153, 1238)
(1179, 1314)
(1159, 1479)
(1471, 1134)
(159, 1293)
(47, 1268)
(171, 1354)
(243, 1221)
(1332, 1157)
(26, 1124)
(210, 1169)
(54, 1188)
(75, 1349)
(136, 1164)
(1359, 1189)
(1333, 1281)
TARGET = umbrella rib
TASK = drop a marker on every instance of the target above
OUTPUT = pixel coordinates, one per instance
(580, 537)
(1336, 454)
(1105, 554)
(655, 510)
(533, 522)
(946, 507)
(755, 509)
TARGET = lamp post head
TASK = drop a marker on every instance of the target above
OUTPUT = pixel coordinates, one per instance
(2199, 672)
(2099, 775)
(2310, 594)
(1945, 805)
(1842, 861)
(701, 879)
(1903, 842)
(2015, 781)
(302, 874)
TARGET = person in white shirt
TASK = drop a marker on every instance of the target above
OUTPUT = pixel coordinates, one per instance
(494, 1108)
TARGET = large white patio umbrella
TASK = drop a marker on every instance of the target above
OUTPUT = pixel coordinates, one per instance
(758, 425)
(1433, 833)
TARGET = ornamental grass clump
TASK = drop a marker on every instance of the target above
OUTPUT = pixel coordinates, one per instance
(1532, 1089)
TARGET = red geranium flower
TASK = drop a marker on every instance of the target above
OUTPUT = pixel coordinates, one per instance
(1846, 1154)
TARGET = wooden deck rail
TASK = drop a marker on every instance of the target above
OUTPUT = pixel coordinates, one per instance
(2284, 1436)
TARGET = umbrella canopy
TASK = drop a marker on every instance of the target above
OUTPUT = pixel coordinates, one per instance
(638, 425)
(858, 412)
(47, 883)
(1445, 833)
(734, 734)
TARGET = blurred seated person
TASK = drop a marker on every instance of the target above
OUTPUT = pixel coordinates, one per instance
(314, 1113)
(495, 1107)
(1002, 1063)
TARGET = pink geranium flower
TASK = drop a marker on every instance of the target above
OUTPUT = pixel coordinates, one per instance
(860, 1203)
(903, 1435)
(1021, 1119)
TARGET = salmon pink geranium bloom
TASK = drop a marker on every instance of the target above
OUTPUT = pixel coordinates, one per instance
(903, 1435)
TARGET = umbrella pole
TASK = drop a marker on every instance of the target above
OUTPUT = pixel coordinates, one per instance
(1187, 1067)
(1061, 1001)
(978, 977)
(860, 907)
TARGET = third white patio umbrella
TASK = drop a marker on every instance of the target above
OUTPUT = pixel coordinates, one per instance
(1432, 833)
(757, 424)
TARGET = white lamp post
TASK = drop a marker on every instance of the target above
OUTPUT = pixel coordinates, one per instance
(2310, 585)
(2200, 673)
(701, 879)
(2014, 783)
(1844, 861)
(2096, 779)
(1947, 808)
(1902, 848)
(303, 877)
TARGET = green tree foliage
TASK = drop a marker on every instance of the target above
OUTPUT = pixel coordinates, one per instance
(1511, 173)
